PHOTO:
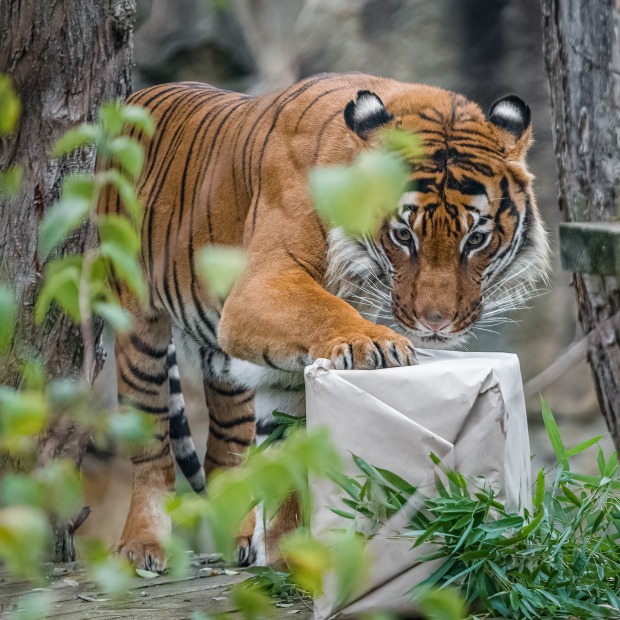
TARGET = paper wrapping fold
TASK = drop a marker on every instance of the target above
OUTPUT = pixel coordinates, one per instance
(467, 408)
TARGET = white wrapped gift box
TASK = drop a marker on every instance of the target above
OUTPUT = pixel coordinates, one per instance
(467, 408)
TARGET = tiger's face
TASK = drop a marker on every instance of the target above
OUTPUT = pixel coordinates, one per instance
(466, 244)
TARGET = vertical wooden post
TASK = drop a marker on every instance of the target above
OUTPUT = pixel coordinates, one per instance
(582, 58)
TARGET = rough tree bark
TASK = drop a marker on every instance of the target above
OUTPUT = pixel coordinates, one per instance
(64, 58)
(582, 57)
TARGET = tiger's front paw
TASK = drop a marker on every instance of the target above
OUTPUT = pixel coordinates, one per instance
(143, 552)
(376, 347)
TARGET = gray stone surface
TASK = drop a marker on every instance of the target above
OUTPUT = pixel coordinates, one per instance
(206, 588)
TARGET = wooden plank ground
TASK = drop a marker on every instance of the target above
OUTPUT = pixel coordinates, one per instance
(205, 589)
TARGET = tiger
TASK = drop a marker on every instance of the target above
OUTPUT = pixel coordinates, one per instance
(465, 238)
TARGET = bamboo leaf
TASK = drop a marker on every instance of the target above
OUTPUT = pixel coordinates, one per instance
(571, 496)
(342, 513)
(502, 524)
(552, 431)
(600, 459)
(612, 464)
(583, 446)
(396, 481)
(435, 576)
(464, 572)
(540, 488)
(24, 538)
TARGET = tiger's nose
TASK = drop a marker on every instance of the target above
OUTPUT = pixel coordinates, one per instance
(436, 322)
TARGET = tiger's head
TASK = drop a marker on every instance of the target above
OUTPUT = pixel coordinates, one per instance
(466, 244)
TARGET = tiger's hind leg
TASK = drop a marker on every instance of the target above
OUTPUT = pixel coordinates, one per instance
(142, 372)
(231, 433)
(270, 530)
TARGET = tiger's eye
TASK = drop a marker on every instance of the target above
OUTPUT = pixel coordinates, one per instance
(476, 238)
(403, 235)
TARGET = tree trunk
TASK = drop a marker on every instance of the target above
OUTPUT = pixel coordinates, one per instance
(65, 58)
(582, 58)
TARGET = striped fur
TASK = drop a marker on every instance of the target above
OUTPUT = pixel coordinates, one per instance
(230, 169)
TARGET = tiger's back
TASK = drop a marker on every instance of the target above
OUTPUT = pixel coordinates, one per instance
(211, 160)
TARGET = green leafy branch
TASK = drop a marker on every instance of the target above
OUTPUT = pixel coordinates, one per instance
(29, 500)
(270, 477)
(561, 560)
(78, 283)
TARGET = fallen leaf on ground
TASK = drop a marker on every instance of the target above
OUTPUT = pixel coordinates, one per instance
(92, 599)
(210, 571)
(146, 574)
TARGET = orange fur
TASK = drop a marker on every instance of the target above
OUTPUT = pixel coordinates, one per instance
(224, 168)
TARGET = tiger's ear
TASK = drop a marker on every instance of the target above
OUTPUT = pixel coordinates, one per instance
(366, 114)
(513, 122)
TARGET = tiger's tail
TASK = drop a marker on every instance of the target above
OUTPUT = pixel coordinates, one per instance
(180, 435)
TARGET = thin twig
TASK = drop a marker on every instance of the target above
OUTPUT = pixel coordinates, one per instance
(566, 360)
(572, 355)
(77, 521)
(302, 600)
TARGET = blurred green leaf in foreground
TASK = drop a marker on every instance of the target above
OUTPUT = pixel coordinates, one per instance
(357, 198)
(220, 266)
(10, 180)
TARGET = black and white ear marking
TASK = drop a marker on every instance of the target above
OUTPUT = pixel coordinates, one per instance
(366, 114)
(511, 114)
